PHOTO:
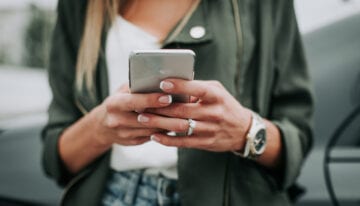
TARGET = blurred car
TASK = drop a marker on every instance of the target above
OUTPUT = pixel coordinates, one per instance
(25, 97)
(333, 52)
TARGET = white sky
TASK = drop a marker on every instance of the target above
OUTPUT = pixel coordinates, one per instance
(311, 13)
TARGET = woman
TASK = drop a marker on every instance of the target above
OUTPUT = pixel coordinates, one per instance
(248, 126)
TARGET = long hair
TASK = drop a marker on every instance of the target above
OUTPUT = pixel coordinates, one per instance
(98, 12)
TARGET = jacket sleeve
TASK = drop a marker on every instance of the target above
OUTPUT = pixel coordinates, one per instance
(292, 99)
(62, 111)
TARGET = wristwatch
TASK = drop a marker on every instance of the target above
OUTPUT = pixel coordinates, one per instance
(255, 139)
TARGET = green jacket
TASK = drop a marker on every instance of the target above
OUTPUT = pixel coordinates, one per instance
(253, 48)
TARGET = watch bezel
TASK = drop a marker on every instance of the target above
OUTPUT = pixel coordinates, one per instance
(253, 147)
(249, 150)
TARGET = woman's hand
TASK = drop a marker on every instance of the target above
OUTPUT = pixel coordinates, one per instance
(114, 121)
(221, 121)
(117, 116)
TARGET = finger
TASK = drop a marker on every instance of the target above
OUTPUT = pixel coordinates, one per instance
(205, 143)
(204, 90)
(180, 110)
(124, 88)
(136, 102)
(176, 124)
(193, 99)
(135, 141)
(130, 134)
(123, 119)
(199, 111)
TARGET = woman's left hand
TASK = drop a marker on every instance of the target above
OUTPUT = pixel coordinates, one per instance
(221, 121)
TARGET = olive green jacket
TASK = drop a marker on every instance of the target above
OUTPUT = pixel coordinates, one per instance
(252, 47)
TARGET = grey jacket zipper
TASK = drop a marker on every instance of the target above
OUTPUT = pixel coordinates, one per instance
(239, 38)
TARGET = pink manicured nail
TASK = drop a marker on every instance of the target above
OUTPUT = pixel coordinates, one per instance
(142, 118)
(167, 99)
(139, 110)
(154, 138)
(165, 85)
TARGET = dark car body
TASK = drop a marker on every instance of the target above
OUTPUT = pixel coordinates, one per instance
(334, 59)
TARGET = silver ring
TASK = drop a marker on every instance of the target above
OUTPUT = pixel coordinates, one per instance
(192, 125)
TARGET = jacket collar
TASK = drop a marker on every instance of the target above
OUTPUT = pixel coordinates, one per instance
(183, 31)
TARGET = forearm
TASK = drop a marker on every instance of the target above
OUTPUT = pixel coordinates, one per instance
(77, 145)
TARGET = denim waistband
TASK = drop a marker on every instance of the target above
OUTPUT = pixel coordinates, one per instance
(131, 187)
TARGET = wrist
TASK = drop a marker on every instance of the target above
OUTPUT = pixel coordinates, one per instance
(246, 118)
(95, 123)
(254, 139)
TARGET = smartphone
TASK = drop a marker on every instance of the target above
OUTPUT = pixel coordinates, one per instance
(149, 67)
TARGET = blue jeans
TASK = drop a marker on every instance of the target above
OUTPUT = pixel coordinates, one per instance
(134, 188)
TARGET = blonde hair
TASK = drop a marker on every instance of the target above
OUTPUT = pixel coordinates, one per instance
(98, 13)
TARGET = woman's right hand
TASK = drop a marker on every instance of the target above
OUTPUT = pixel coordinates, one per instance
(114, 121)
(116, 118)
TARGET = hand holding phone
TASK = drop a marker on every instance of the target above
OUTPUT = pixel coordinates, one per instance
(149, 67)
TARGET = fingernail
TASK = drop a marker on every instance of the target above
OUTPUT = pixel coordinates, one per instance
(139, 110)
(165, 85)
(142, 118)
(154, 138)
(166, 99)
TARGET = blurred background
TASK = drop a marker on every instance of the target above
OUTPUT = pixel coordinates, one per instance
(331, 32)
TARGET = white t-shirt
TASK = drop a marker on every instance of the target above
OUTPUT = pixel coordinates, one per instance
(124, 37)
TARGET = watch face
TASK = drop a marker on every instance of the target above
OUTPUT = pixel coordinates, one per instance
(260, 140)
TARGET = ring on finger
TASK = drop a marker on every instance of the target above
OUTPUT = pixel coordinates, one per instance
(192, 125)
